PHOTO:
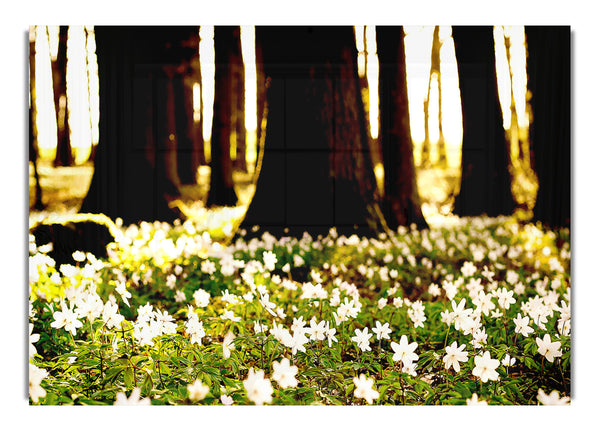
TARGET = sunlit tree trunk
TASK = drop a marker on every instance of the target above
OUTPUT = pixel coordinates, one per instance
(239, 113)
(261, 95)
(131, 178)
(33, 147)
(435, 77)
(199, 158)
(64, 156)
(401, 201)
(485, 180)
(316, 171)
(549, 77)
(221, 192)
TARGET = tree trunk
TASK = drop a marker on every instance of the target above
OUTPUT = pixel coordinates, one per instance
(549, 77)
(188, 158)
(221, 192)
(131, 178)
(401, 201)
(261, 97)
(239, 113)
(64, 155)
(33, 147)
(485, 183)
(316, 171)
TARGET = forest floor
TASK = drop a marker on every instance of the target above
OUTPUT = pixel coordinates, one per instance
(64, 188)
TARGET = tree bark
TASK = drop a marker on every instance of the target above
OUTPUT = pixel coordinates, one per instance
(549, 77)
(64, 155)
(316, 171)
(401, 201)
(188, 158)
(221, 192)
(131, 178)
(485, 178)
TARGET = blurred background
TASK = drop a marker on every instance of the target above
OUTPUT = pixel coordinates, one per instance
(64, 114)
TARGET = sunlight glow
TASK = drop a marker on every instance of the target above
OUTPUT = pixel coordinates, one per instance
(44, 100)
(360, 47)
(373, 80)
(196, 101)
(417, 44)
(78, 102)
(92, 76)
(207, 68)
(247, 36)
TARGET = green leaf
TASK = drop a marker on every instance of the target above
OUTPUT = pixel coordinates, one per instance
(128, 377)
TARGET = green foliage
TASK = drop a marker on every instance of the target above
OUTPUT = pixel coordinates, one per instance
(174, 309)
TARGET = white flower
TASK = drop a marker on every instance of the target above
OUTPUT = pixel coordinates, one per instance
(269, 258)
(122, 290)
(330, 333)
(195, 329)
(207, 266)
(434, 290)
(362, 339)
(228, 345)
(180, 296)
(67, 318)
(455, 355)
(505, 298)
(298, 324)
(226, 400)
(198, 390)
(461, 315)
(285, 374)
(143, 332)
(364, 389)
(554, 399)
(404, 351)
(229, 315)
(474, 401)
(33, 338)
(133, 400)
(201, 298)
(485, 367)
(316, 331)
(548, 348)
(229, 298)
(382, 331)
(111, 316)
(145, 312)
(267, 304)
(522, 326)
(507, 361)
(468, 269)
(258, 389)
(36, 375)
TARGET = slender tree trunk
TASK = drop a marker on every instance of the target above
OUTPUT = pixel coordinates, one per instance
(316, 171)
(401, 201)
(131, 178)
(221, 192)
(199, 158)
(485, 181)
(549, 77)
(64, 156)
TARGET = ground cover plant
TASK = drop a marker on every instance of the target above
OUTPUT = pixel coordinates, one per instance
(476, 310)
